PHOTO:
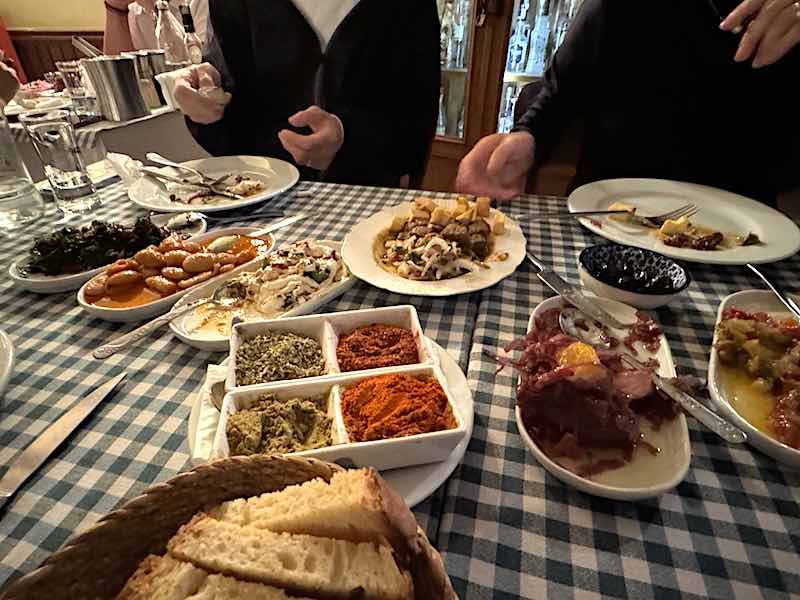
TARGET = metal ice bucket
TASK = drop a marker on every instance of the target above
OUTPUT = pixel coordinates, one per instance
(116, 83)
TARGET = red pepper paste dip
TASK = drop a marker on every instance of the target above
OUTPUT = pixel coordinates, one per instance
(376, 346)
(392, 406)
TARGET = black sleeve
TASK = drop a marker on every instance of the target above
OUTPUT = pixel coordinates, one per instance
(567, 81)
(392, 137)
(227, 43)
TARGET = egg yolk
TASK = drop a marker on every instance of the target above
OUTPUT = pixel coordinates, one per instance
(577, 353)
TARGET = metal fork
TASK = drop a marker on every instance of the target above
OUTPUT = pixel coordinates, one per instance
(656, 221)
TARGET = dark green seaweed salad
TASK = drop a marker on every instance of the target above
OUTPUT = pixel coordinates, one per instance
(76, 249)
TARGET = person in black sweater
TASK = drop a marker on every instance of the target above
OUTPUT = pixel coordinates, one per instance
(663, 91)
(349, 103)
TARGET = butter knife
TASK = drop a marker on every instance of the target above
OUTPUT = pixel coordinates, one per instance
(29, 460)
(277, 225)
(573, 295)
(727, 431)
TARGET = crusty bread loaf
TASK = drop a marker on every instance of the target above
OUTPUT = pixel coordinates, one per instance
(164, 578)
(300, 564)
(356, 505)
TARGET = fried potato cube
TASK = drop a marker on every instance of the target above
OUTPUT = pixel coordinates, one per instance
(397, 224)
(499, 223)
(673, 226)
(466, 217)
(482, 206)
(424, 203)
(440, 216)
(462, 205)
(422, 215)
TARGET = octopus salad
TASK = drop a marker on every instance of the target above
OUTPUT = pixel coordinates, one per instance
(232, 183)
(434, 243)
(287, 278)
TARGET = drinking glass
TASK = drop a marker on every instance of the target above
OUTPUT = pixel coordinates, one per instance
(76, 85)
(20, 201)
(53, 139)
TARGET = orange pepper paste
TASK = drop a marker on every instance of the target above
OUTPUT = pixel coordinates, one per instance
(391, 406)
(376, 346)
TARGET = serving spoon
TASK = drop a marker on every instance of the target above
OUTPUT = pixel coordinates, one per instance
(226, 296)
(577, 325)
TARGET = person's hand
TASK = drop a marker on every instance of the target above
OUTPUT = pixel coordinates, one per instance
(318, 149)
(497, 166)
(199, 95)
(770, 35)
(122, 5)
(9, 84)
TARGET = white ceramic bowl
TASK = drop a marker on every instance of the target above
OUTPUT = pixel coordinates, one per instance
(593, 258)
(753, 301)
(646, 475)
(56, 284)
(157, 307)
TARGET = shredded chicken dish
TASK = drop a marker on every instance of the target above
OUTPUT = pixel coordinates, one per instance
(434, 242)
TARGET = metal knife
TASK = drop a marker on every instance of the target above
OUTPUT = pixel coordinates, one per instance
(573, 295)
(727, 431)
(277, 225)
(544, 216)
(29, 460)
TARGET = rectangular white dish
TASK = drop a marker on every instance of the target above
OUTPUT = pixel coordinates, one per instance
(380, 454)
(326, 328)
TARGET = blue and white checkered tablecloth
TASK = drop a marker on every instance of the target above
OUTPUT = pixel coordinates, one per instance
(138, 437)
(511, 530)
(505, 527)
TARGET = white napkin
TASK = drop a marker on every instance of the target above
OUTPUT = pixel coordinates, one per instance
(208, 416)
(128, 169)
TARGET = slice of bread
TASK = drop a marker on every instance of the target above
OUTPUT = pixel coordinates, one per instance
(356, 505)
(300, 564)
(164, 578)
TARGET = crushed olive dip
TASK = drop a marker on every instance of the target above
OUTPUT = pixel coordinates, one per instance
(272, 425)
(276, 356)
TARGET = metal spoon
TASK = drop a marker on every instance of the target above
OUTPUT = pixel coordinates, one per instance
(785, 298)
(575, 324)
(218, 394)
(228, 295)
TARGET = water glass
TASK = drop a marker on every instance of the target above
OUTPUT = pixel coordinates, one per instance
(77, 85)
(53, 138)
(20, 201)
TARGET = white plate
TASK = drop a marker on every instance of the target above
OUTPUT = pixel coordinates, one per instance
(55, 284)
(646, 475)
(278, 175)
(13, 109)
(157, 307)
(719, 210)
(753, 301)
(359, 257)
(211, 341)
(413, 483)
(6, 361)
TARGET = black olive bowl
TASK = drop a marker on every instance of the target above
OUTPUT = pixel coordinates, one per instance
(634, 276)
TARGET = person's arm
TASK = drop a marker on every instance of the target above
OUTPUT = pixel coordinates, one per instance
(568, 81)
(9, 84)
(391, 136)
(117, 37)
(226, 25)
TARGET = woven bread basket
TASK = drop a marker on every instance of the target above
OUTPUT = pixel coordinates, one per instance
(98, 562)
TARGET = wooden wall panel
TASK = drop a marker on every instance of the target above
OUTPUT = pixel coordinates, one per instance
(39, 50)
